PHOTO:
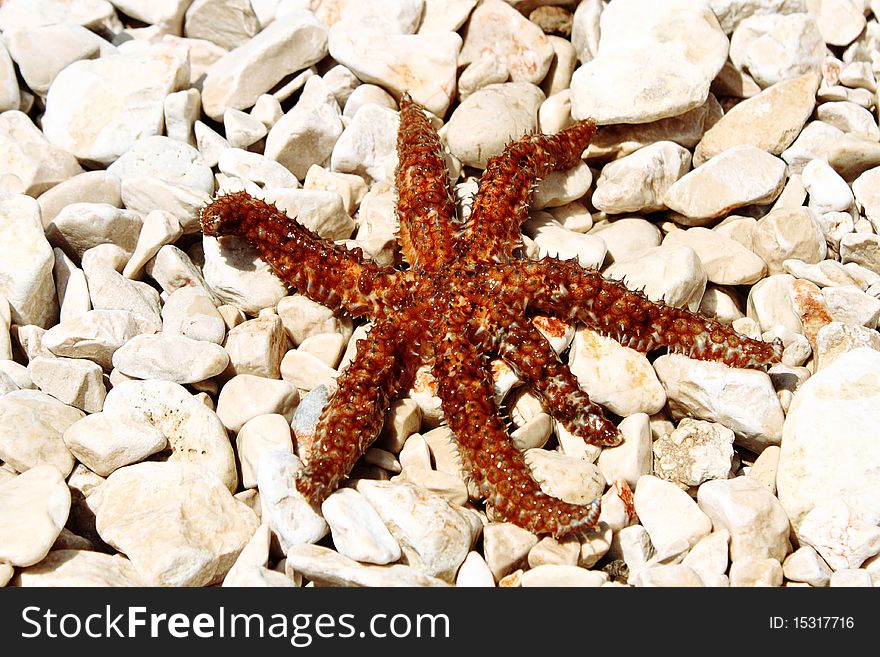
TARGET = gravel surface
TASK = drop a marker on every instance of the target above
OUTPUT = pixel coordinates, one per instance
(158, 387)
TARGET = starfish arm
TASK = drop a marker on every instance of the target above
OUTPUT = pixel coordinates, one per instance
(315, 267)
(523, 347)
(564, 289)
(495, 463)
(492, 232)
(425, 206)
(384, 366)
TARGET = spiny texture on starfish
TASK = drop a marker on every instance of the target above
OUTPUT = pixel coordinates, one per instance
(463, 299)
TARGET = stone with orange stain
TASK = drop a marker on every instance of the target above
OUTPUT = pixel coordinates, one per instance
(809, 304)
(619, 378)
(423, 65)
(497, 29)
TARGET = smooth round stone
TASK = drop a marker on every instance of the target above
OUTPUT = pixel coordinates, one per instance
(670, 273)
(257, 435)
(434, 535)
(474, 572)
(847, 303)
(304, 318)
(695, 452)
(636, 76)
(816, 140)
(771, 120)
(307, 133)
(506, 547)
(367, 145)
(229, 23)
(615, 376)
(568, 478)
(850, 577)
(756, 521)
(110, 290)
(561, 187)
(560, 552)
(668, 575)
(554, 240)
(350, 187)
(257, 347)
(89, 187)
(166, 159)
(423, 65)
(238, 276)
(708, 558)
(190, 312)
(840, 534)
(79, 568)
(561, 575)
(33, 509)
(482, 72)
(558, 78)
(26, 263)
(670, 515)
(357, 530)
(246, 396)
(626, 237)
(106, 442)
(78, 383)
(751, 572)
(94, 335)
(197, 528)
(739, 176)
(828, 191)
(498, 31)
(170, 358)
(828, 436)
(483, 124)
(850, 118)
(290, 516)
(288, 44)
(194, 432)
(770, 303)
(133, 88)
(31, 425)
(866, 195)
(144, 194)
(805, 565)
(365, 94)
(777, 47)
(740, 399)
(256, 168)
(393, 17)
(10, 94)
(81, 226)
(327, 567)
(320, 211)
(30, 165)
(33, 13)
(638, 182)
(633, 457)
(726, 261)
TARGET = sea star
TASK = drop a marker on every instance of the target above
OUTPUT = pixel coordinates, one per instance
(464, 297)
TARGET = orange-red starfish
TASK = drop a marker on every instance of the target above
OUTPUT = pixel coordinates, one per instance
(464, 297)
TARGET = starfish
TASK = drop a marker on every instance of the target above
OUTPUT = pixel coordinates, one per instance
(465, 297)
